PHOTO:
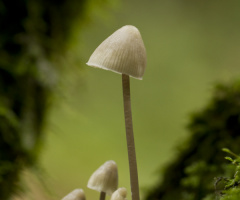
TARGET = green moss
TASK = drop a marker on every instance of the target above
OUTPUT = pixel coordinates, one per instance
(34, 35)
(200, 159)
(232, 194)
(230, 189)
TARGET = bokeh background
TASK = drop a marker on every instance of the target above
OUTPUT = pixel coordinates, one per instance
(190, 46)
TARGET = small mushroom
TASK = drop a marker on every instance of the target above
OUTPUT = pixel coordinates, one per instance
(119, 194)
(77, 194)
(124, 52)
(104, 179)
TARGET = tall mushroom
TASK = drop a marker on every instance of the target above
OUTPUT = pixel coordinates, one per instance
(104, 179)
(124, 52)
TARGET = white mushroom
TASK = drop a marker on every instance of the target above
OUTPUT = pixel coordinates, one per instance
(124, 52)
(77, 194)
(104, 179)
(119, 194)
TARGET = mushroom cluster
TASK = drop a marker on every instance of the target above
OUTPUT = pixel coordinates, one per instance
(103, 180)
(122, 52)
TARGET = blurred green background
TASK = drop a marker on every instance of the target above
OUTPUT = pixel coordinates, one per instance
(190, 46)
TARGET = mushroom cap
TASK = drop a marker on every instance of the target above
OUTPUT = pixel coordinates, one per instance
(105, 178)
(77, 194)
(119, 194)
(122, 52)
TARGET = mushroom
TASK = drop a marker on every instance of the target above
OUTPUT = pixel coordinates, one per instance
(104, 179)
(77, 194)
(119, 194)
(124, 52)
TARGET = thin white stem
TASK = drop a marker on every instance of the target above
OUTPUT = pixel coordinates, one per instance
(130, 137)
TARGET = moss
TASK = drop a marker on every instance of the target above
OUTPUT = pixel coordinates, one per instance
(232, 194)
(231, 185)
(34, 34)
(191, 173)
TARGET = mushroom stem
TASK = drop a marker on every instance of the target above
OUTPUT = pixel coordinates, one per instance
(102, 195)
(130, 137)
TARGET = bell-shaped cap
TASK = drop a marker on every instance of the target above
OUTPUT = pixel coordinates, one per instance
(77, 194)
(105, 178)
(119, 194)
(122, 52)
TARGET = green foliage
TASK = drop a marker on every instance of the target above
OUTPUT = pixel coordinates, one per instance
(232, 194)
(231, 190)
(34, 35)
(191, 174)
